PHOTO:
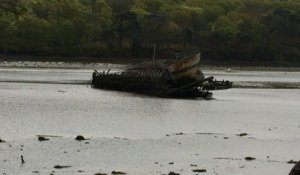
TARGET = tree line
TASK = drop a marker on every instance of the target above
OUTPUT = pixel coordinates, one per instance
(224, 30)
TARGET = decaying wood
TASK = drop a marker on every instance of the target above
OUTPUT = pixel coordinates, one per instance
(179, 77)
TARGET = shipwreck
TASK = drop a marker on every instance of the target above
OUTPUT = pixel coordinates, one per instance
(178, 77)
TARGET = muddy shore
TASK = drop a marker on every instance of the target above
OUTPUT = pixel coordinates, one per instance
(243, 131)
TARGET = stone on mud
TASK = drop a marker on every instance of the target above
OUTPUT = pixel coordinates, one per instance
(79, 138)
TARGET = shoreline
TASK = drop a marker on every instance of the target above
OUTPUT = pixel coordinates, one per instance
(123, 65)
(18, 72)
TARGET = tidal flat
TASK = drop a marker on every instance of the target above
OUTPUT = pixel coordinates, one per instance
(136, 134)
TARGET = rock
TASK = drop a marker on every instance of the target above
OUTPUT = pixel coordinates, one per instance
(296, 169)
(199, 170)
(61, 166)
(173, 173)
(117, 172)
(79, 138)
(1, 141)
(249, 158)
(41, 138)
(171, 163)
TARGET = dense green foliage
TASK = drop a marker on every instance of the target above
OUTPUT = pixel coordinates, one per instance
(225, 30)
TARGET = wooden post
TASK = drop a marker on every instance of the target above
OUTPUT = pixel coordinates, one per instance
(154, 50)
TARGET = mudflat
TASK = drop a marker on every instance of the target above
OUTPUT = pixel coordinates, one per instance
(242, 131)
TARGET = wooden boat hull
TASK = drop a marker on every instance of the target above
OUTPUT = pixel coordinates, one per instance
(185, 68)
(166, 78)
(131, 83)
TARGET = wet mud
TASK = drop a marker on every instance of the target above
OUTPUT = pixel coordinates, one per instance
(133, 134)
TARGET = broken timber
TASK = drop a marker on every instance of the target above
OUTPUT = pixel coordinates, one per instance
(179, 77)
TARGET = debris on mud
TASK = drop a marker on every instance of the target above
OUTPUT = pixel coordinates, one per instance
(199, 170)
(249, 158)
(117, 172)
(100, 174)
(2, 141)
(22, 159)
(173, 173)
(41, 138)
(80, 138)
(180, 78)
(242, 134)
(61, 166)
(292, 162)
